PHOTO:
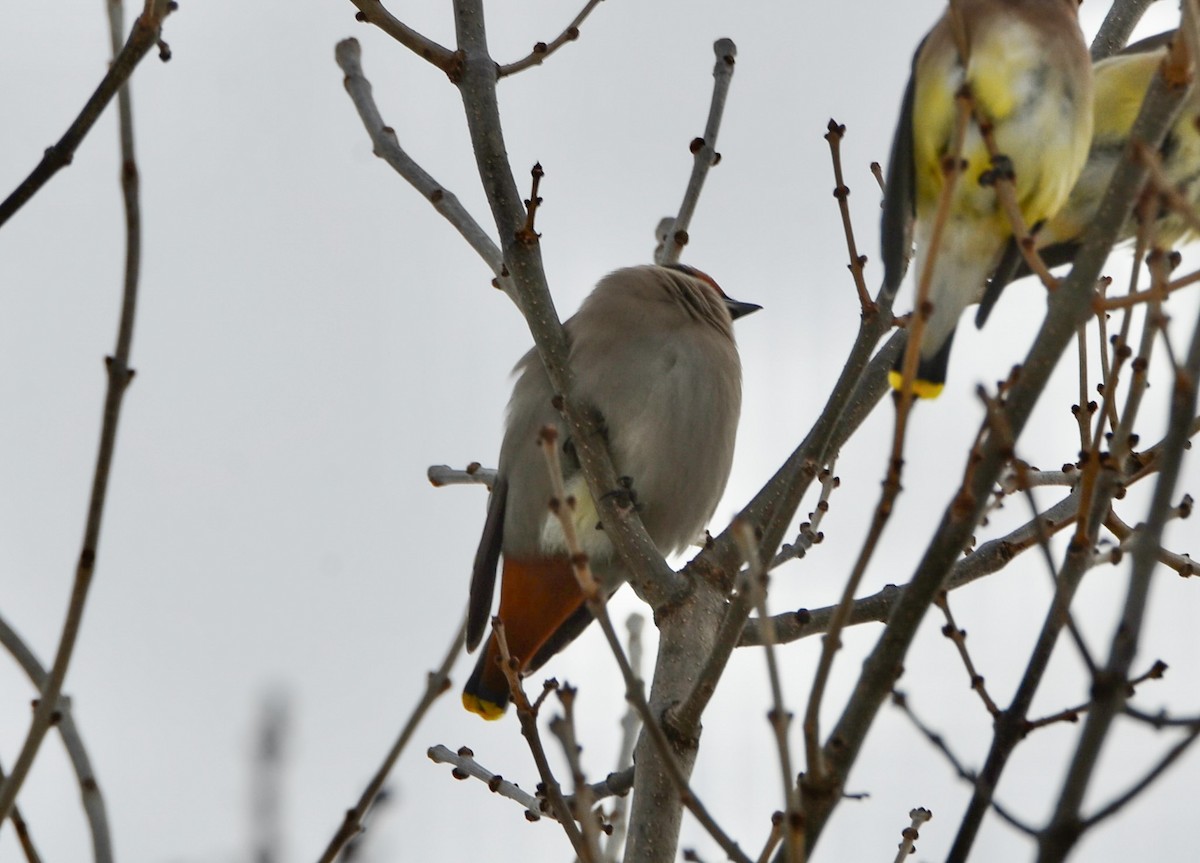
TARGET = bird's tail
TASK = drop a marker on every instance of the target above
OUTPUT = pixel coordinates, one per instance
(931, 371)
(539, 601)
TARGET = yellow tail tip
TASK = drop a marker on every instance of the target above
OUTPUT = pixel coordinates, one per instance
(489, 710)
(921, 389)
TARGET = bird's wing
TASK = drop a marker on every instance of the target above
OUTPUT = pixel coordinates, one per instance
(1013, 267)
(483, 573)
(899, 197)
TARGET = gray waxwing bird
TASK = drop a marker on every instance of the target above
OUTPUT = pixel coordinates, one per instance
(1030, 77)
(1121, 82)
(652, 351)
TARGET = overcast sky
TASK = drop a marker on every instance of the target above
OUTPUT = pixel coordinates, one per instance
(312, 336)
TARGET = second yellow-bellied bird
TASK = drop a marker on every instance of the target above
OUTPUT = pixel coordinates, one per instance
(1030, 77)
(1121, 82)
(652, 350)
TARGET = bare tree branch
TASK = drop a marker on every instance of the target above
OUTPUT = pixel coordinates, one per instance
(674, 236)
(146, 34)
(1109, 687)
(387, 147)
(465, 766)
(89, 788)
(24, 839)
(1069, 306)
(910, 834)
(1118, 25)
(474, 474)
(631, 725)
(754, 582)
(1146, 781)
(541, 50)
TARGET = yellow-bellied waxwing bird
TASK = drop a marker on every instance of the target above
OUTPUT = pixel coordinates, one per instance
(1028, 72)
(1121, 81)
(652, 350)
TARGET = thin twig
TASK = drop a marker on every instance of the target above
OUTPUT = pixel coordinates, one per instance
(527, 715)
(673, 237)
(1181, 563)
(631, 724)
(939, 743)
(989, 558)
(465, 766)
(841, 192)
(89, 788)
(21, 828)
(1142, 784)
(542, 50)
(146, 33)
(436, 683)
(563, 727)
(831, 642)
(1110, 693)
(119, 377)
(910, 834)
(809, 533)
(474, 474)
(755, 582)
(773, 838)
(1069, 306)
(959, 637)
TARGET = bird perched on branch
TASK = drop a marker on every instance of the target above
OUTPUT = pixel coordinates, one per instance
(652, 351)
(1121, 81)
(1025, 72)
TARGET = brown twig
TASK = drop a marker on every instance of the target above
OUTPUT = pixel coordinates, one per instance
(1069, 306)
(527, 715)
(877, 173)
(773, 838)
(1072, 714)
(21, 828)
(959, 637)
(831, 642)
(148, 26)
(755, 582)
(1142, 784)
(526, 234)
(542, 50)
(563, 727)
(1110, 694)
(939, 743)
(841, 192)
(146, 33)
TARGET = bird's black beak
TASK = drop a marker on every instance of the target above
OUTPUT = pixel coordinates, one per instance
(738, 309)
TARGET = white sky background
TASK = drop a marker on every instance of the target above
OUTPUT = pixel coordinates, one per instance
(312, 336)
